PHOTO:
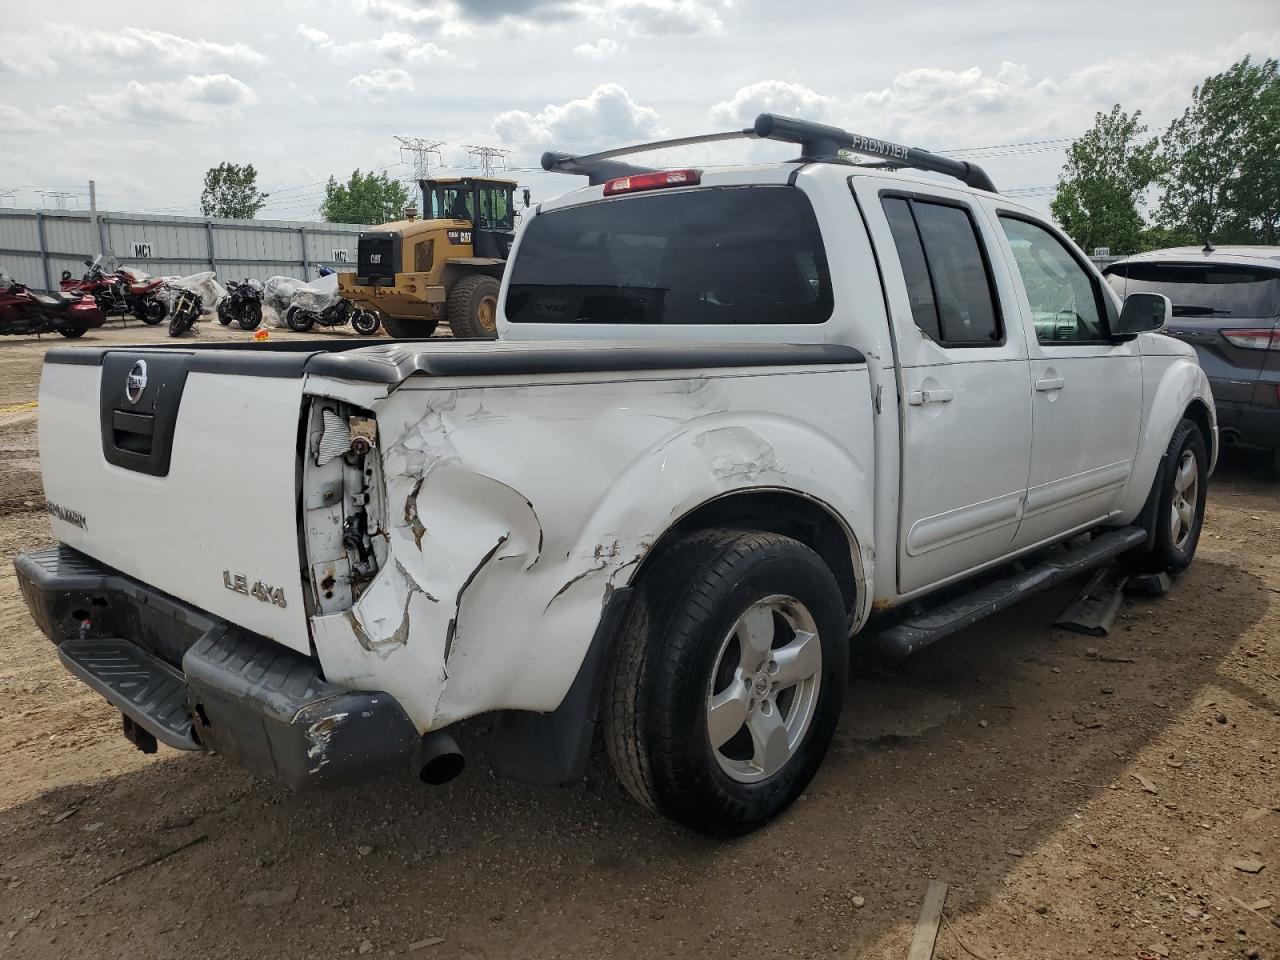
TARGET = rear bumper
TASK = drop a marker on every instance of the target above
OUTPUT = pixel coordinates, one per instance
(197, 682)
(1249, 424)
(410, 294)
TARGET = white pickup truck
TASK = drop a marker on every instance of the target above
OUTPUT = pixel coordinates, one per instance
(736, 417)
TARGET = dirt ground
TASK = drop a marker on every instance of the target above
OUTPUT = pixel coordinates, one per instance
(1083, 797)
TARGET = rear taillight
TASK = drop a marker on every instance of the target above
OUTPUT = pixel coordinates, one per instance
(653, 181)
(1253, 339)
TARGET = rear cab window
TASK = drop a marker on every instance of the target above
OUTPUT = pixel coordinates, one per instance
(1201, 290)
(714, 255)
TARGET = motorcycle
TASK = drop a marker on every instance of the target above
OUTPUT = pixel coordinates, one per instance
(187, 306)
(24, 313)
(302, 319)
(318, 303)
(118, 292)
(243, 304)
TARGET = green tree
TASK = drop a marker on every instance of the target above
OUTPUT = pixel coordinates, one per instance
(1100, 189)
(231, 190)
(365, 198)
(1221, 179)
(1253, 196)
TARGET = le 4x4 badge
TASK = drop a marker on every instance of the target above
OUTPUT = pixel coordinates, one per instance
(265, 592)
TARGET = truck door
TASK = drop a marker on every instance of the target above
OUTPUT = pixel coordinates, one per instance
(963, 381)
(1086, 391)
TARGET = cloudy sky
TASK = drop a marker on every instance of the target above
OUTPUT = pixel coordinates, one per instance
(144, 97)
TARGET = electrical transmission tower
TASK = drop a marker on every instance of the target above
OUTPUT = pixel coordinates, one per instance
(58, 199)
(488, 159)
(420, 151)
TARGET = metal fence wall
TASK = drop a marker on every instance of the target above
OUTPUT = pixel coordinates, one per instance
(37, 245)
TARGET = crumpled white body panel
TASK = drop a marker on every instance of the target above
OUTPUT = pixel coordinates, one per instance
(516, 507)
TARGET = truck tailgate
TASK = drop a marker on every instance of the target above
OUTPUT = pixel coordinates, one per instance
(181, 470)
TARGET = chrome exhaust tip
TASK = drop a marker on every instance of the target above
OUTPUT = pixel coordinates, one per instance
(437, 758)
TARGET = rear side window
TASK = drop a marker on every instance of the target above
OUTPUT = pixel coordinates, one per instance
(945, 269)
(1203, 290)
(714, 256)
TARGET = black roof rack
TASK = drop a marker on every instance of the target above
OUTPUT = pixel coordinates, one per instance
(819, 143)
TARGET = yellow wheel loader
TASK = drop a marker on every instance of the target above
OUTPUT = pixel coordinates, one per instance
(446, 266)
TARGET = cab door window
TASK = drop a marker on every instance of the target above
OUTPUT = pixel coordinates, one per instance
(1065, 302)
(945, 268)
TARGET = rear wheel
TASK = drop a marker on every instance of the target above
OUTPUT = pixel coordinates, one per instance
(409, 328)
(473, 308)
(151, 311)
(72, 331)
(250, 318)
(728, 681)
(1180, 499)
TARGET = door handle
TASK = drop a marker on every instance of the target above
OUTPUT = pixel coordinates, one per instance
(1049, 385)
(936, 395)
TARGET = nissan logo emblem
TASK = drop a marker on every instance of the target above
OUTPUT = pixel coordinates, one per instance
(135, 385)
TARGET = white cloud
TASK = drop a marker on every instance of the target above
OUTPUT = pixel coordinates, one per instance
(16, 120)
(395, 46)
(666, 17)
(602, 49)
(769, 96)
(139, 47)
(608, 115)
(26, 55)
(381, 84)
(314, 38)
(193, 99)
(443, 21)
(402, 48)
(635, 17)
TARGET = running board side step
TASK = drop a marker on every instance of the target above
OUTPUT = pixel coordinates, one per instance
(916, 632)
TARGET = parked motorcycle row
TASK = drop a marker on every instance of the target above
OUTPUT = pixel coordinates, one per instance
(108, 290)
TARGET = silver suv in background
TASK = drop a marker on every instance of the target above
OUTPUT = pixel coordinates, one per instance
(1226, 303)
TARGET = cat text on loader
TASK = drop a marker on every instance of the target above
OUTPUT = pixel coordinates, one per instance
(446, 266)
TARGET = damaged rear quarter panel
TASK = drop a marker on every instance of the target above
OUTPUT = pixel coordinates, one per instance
(515, 508)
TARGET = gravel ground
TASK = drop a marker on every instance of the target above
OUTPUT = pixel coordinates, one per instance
(1082, 797)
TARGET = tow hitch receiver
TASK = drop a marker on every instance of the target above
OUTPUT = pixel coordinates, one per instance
(144, 740)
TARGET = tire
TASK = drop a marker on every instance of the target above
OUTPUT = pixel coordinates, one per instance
(224, 312)
(299, 320)
(365, 322)
(1275, 463)
(473, 308)
(180, 323)
(151, 311)
(1174, 549)
(251, 317)
(679, 646)
(72, 332)
(409, 328)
